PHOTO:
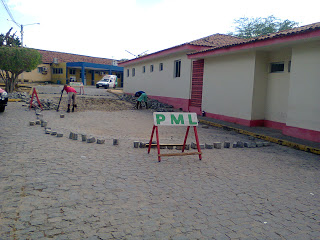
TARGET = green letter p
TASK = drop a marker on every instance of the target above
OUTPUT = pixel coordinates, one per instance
(160, 118)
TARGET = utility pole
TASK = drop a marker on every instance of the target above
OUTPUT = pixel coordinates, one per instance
(21, 31)
(21, 26)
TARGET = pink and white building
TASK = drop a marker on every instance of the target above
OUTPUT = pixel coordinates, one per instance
(272, 80)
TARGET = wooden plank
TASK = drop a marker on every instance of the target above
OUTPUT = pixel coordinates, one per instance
(154, 145)
(179, 154)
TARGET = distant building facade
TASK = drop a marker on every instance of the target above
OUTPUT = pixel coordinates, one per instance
(61, 68)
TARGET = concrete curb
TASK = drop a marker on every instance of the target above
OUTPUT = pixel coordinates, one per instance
(267, 138)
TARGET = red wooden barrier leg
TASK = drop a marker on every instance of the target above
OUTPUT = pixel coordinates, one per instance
(197, 140)
(151, 138)
(31, 99)
(185, 139)
(38, 99)
(158, 144)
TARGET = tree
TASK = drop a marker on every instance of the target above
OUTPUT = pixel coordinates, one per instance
(254, 27)
(14, 60)
(9, 40)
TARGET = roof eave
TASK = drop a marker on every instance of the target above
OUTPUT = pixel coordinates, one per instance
(165, 52)
(255, 44)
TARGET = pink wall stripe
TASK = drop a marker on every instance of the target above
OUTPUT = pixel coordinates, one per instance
(301, 133)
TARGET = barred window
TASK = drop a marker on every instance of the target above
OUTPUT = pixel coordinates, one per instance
(160, 66)
(57, 71)
(177, 68)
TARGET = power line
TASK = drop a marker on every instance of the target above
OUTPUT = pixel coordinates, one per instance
(9, 13)
(12, 19)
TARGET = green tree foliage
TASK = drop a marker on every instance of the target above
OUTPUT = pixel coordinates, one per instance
(254, 27)
(14, 59)
(9, 39)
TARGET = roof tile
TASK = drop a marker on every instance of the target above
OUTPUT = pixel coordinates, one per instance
(293, 31)
(48, 56)
(216, 40)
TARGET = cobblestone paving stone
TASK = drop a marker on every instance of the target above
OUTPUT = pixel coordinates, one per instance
(58, 188)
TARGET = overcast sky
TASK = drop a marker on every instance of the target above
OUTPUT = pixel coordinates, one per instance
(107, 28)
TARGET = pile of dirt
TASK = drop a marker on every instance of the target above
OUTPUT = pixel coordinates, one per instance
(98, 104)
(113, 102)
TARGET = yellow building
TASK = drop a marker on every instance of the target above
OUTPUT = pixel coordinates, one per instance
(61, 68)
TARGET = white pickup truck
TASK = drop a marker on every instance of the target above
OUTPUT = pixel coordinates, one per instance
(108, 81)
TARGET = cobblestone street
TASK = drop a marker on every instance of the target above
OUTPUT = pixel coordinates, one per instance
(58, 188)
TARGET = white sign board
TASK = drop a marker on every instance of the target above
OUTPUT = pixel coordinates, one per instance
(76, 84)
(175, 119)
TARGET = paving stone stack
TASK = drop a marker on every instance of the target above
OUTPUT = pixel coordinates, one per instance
(83, 137)
(100, 141)
(91, 140)
(48, 131)
(215, 145)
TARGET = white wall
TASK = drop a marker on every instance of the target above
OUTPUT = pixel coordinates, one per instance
(160, 83)
(228, 85)
(278, 87)
(304, 94)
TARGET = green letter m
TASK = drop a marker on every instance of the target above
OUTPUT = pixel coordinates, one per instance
(177, 121)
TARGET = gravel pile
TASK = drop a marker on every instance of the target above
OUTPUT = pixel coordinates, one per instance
(89, 103)
(47, 104)
(152, 103)
(19, 95)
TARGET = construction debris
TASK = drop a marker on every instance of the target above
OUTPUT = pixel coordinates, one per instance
(100, 141)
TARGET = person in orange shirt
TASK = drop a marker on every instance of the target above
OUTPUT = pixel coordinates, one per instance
(72, 94)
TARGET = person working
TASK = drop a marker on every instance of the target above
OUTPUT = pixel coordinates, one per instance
(142, 96)
(72, 94)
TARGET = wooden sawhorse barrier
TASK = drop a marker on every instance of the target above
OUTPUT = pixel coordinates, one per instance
(175, 119)
(77, 84)
(34, 93)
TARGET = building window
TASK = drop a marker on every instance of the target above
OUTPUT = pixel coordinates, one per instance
(277, 67)
(128, 74)
(133, 72)
(151, 68)
(41, 69)
(143, 69)
(160, 66)
(177, 68)
(57, 71)
(72, 71)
